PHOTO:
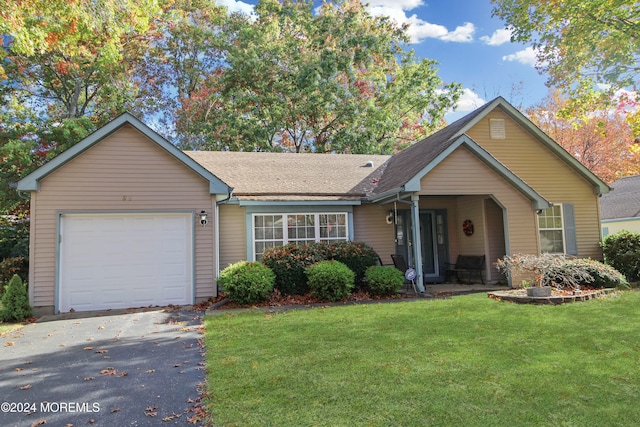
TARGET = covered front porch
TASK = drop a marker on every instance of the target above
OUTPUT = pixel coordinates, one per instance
(430, 233)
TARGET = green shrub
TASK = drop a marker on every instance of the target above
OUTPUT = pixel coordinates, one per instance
(384, 281)
(358, 256)
(330, 280)
(247, 282)
(289, 262)
(622, 252)
(15, 301)
(602, 275)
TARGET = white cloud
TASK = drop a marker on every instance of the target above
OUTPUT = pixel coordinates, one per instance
(462, 34)
(469, 101)
(419, 29)
(527, 57)
(498, 38)
(237, 6)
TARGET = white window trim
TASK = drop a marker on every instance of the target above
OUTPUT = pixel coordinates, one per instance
(285, 228)
(562, 229)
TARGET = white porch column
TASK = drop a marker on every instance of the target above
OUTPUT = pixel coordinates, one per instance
(417, 243)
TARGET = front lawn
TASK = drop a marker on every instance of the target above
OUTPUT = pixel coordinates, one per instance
(464, 361)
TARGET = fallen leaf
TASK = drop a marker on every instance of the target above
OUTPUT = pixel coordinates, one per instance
(18, 369)
(91, 421)
(115, 410)
(151, 414)
(100, 327)
(102, 351)
(88, 378)
(38, 423)
(171, 417)
(150, 371)
(9, 343)
(122, 374)
(186, 329)
(62, 345)
(108, 371)
(89, 339)
(25, 387)
(88, 348)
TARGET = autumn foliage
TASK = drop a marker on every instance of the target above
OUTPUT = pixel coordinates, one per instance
(598, 135)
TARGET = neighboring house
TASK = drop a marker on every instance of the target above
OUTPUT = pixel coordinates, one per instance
(620, 209)
(116, 219)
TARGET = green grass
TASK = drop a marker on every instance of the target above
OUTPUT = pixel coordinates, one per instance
(465, 361)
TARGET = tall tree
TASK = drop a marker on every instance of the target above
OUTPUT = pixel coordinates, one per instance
(187, 45)
(576, 39)
(73, 57)
(601, 139)
(333, 79)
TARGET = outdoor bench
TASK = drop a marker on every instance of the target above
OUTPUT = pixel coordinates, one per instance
(468, 264)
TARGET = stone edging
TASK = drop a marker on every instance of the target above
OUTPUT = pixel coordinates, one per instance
(520, 297)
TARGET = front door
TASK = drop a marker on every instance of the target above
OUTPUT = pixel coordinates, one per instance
(433, 238)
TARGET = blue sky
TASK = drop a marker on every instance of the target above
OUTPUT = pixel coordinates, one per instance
(472, 48)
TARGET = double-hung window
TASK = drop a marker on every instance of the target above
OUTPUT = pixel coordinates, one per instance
(551, 230)
(557, 230)
(271, 230)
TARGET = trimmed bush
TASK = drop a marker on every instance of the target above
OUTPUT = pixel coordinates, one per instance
(15, 301)
(603, 276)
(622, 252)
(330, 280)
(384, 281)
(11, 266)
(247, 282)
(358, 256)
(289, 262)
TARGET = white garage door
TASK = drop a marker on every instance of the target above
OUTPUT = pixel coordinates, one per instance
(125, 260)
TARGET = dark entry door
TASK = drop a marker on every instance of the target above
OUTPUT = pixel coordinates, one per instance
(433, 238)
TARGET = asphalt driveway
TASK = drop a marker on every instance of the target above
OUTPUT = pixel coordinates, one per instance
(135, 368)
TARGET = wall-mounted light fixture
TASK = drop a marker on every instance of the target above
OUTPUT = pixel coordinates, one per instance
(390, 219)
(203, 217)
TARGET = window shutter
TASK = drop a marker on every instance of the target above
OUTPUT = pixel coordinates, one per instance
(571, 243)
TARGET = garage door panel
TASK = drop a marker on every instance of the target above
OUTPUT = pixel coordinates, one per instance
(126, 260)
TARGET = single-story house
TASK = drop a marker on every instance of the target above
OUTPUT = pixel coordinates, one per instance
(620, 209)
(125, 219)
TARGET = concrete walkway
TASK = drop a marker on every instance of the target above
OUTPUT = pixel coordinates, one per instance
(140, 368)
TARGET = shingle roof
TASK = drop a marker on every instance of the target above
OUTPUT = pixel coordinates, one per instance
(409, 162)
(623, 201)
(298, 176)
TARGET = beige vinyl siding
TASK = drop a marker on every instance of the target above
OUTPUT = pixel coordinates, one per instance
(233, 240)
(123, 172)
(462, 173)
(547, 174)
(369, 226)
(613, 226)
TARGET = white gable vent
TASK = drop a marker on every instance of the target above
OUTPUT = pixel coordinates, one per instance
(496, 129)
